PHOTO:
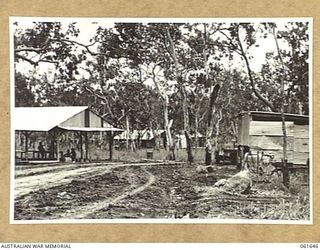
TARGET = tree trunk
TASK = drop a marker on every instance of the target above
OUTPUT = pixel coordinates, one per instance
(211, 111)
(189, 147)
(213, 96)
(197, 119)
(155, 137)
(167, 124)
(218, 127)
(127, 132)
(187, 126)
(183, 94)
(167, 127)
(196, 129)
(208, 154)
(132, 142)
(252, 83)
(286, 178)
(285, 170)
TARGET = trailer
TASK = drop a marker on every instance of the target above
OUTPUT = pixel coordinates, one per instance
(260, 133)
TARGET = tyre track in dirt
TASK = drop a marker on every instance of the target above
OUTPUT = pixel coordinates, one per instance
(25, 185)
(45, 170)
(27, 171)
(83, 212)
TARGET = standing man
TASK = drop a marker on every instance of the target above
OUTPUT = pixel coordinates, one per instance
(42, 152)
(73, 155)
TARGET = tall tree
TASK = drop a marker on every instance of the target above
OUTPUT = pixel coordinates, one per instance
(147, 54)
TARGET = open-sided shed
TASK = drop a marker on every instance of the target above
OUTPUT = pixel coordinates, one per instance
(56, 120)
(145, 137)
(262, 131)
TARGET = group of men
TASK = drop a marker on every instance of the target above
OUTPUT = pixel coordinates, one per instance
(69, 154)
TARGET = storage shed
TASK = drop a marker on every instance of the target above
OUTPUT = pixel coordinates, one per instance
(145, 138)
(54, 121)
(262, 131)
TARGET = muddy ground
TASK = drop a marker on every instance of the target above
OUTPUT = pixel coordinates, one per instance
(118, 191)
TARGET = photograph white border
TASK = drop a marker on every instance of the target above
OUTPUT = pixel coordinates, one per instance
(12, 19)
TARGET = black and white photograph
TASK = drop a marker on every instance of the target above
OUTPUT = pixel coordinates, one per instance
(153, 120)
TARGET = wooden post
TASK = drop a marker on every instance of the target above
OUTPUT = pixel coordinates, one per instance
(26, 134)
(87, 125)
(110, 135)
(55, 140)
(52, 145)
(81, 150)
(58, 153)
(86, 144)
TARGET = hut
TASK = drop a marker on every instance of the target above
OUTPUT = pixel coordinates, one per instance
(262, 131)
(144, 138)
(54, 122)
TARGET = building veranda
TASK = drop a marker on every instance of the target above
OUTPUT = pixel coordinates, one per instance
(53, 134)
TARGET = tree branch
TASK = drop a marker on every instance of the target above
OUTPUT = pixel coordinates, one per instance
(87, 47)
(234, 47)
(162, 94)
(255, 91)
(124, 115)
(31, 49)
(62, 41)
(172, 51)
(102, 97)
(35, 63)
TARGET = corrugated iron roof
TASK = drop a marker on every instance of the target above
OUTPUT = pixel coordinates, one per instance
(145, 134)
(42, 118)
(91, 129)
(277, 114)
(274, 116)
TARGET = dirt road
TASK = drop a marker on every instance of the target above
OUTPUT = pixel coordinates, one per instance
(144, 190)
(31, 179)
(48, 177)
(71, 192)
(84, 211)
